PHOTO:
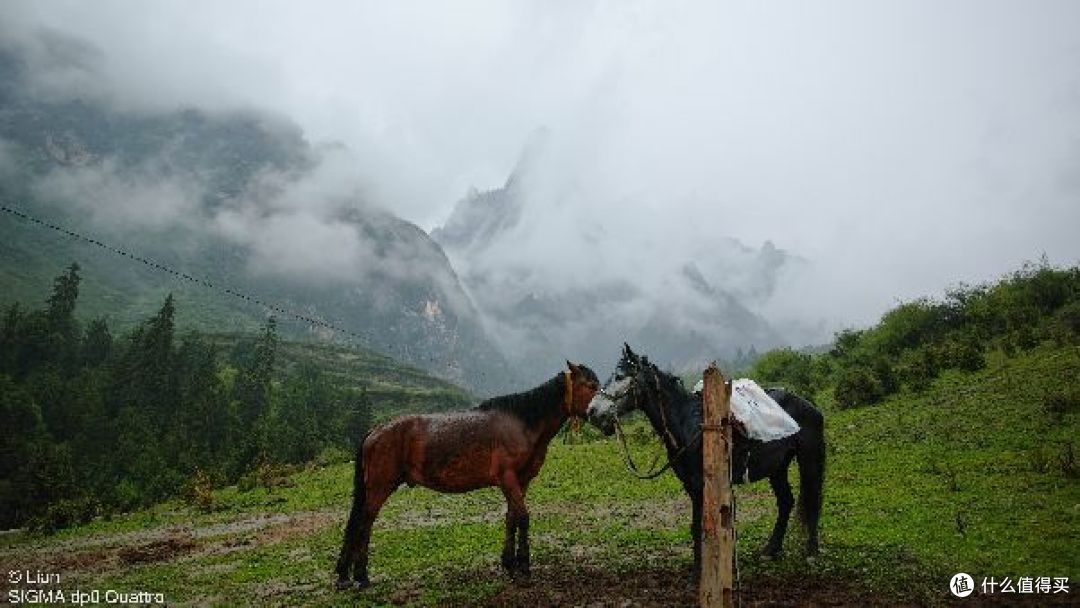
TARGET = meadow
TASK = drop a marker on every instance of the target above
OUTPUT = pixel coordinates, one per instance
(977, 474)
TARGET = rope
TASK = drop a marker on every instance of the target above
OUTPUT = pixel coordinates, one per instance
(630, 465)
(629, 461)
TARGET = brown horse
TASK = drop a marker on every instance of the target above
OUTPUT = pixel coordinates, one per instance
(502, 442)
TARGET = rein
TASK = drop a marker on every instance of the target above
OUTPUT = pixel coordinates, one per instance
(633, 468)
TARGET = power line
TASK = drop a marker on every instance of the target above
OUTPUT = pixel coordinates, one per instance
(362, 340)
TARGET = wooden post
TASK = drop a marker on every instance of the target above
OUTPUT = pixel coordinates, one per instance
(717, 516)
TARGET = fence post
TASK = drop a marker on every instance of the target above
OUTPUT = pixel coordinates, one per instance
(717, 516)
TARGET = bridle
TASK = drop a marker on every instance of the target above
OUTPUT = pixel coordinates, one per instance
(568, 395)
(669, 437)
(568, 401)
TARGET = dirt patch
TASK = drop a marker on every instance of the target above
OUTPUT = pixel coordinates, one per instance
(667, 586)
(595, 587)
(157, 551)
(171, 543)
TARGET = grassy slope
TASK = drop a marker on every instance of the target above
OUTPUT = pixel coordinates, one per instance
(975, 449)
(965, 477)
(124, 292)
(394, 388)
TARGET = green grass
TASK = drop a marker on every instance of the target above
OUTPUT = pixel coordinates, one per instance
(968, 476)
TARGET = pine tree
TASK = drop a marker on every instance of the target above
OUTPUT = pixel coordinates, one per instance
(204, 411)
(97, 343)
(61, 304)
(251, 393)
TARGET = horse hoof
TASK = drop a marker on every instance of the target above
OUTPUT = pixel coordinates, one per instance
(518, 569)
(771, 556)
(362, 583)
(342, 584)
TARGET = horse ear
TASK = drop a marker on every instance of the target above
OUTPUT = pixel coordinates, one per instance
(626, 350)
(570, 366)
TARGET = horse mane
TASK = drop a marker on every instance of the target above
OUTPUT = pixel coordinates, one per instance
(675, 384)
(531, 406)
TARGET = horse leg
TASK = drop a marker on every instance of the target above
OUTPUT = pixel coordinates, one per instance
(508, 539)
(523, 544)
(811, 457)
(360, 556)
(517, 517)
(785, 501)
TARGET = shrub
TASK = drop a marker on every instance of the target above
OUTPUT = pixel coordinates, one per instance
(917, 368)
(126, 495)
(963, 352)
(1067, 461)
(63, 514)
(908, 326)
(1065, 324)
(857, 386)
(332, 454)
(247, 482)
(199, 491)
(1062, 401)
(787, 367)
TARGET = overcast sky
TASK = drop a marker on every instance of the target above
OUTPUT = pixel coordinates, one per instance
(900, 147)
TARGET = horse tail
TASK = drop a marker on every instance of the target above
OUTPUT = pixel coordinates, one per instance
(811, 457)
(356, 514)
(359, 488)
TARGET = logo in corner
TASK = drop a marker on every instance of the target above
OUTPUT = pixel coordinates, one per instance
(961, 584)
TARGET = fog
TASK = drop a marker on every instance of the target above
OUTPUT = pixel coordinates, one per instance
(894, 150)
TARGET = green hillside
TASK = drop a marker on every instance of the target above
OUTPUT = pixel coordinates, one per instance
(124, 291)
(392, 387)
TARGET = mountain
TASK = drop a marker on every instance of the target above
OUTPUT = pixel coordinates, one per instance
(238, 199)
(684, 309)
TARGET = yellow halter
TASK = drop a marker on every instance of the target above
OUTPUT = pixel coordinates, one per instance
(568, 403)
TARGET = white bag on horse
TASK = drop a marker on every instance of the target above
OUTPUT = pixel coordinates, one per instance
(762, 416)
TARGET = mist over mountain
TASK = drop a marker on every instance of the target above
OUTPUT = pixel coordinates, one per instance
(685, 303)
(239, 198)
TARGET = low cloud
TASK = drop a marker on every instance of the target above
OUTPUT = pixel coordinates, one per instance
(297, 245)
(125, 200)
(893, 151)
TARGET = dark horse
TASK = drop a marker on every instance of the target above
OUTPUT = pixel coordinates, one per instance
(502, 442)
(675, 415)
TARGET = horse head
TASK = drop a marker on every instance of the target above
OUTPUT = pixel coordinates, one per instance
(582, 387)
(622, 394)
